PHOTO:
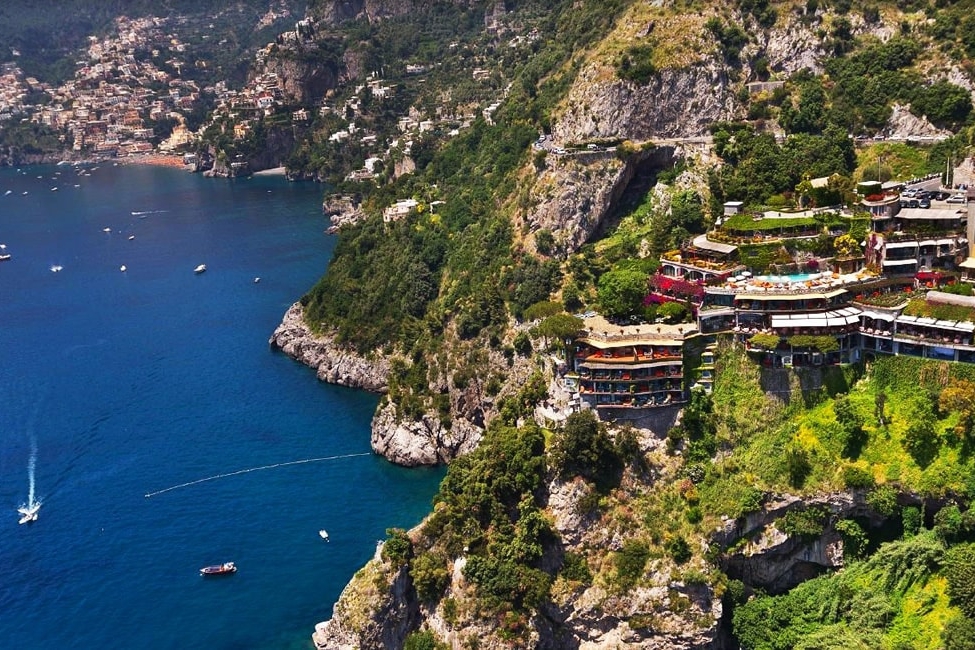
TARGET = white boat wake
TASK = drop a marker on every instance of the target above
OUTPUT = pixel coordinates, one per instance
(28, 511)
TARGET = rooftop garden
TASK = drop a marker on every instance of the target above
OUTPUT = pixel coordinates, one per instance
(746, 223)
(888, 297)
(743, 228)
(921, 307)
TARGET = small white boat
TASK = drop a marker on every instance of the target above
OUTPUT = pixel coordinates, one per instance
(56, 268)
(106, 230)
(256, 280)
(200, 269)
(131, 237)
(54, 189)
(7, 192)
(28, 514)
(122, 268)
(323, 534)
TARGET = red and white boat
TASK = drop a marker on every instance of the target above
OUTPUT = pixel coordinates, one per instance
(219, 569)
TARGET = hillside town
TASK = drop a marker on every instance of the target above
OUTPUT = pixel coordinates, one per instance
(122, 89)
(132, 93)
(137, 90)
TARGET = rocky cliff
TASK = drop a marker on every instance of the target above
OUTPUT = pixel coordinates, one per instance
(340, 11)
(304, 78)
(664, 611)
(424, 441)
(342, 210)
(406, 439)
(333, 363)
(677, 103)
(573, 193)
(672, 606)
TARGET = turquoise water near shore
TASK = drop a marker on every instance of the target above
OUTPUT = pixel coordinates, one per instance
(127, 383)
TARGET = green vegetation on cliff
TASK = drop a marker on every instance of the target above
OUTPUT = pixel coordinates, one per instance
(907, 582)
(895, 599)
(455, 259)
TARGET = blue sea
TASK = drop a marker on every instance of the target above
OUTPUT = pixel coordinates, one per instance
(115, 385)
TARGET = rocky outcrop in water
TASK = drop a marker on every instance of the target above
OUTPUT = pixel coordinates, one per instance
(427, 438)
(367, 616)
(333, 363)
(662, 612)
(15, 157)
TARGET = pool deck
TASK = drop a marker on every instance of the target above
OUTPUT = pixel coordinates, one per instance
(816, 283)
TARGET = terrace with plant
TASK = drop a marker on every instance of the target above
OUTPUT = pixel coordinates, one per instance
(921, 307)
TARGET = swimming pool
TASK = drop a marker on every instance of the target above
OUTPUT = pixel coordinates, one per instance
(788, 279)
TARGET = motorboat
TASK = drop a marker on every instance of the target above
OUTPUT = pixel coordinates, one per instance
(219, 569)
(323, 534)
(122, 268)
(200, 269)
(106, 230)
(56, 268)
(28, 514)
(5, 257)
(131, 237)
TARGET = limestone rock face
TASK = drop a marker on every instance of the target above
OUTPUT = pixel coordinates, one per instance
(367, 617)
(905, 125)
(404, 440)
(333, 363)
(340, 11)
(420, 442)
(303, 82)
(402, 166)
(792, 48)
(776, 562)
(575, 192)
(342, 210)
(674, 104)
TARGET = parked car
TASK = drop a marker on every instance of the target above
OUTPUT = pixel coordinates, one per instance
(924, 203)
(957, 198)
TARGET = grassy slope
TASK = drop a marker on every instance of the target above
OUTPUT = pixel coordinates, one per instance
(917, 608)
